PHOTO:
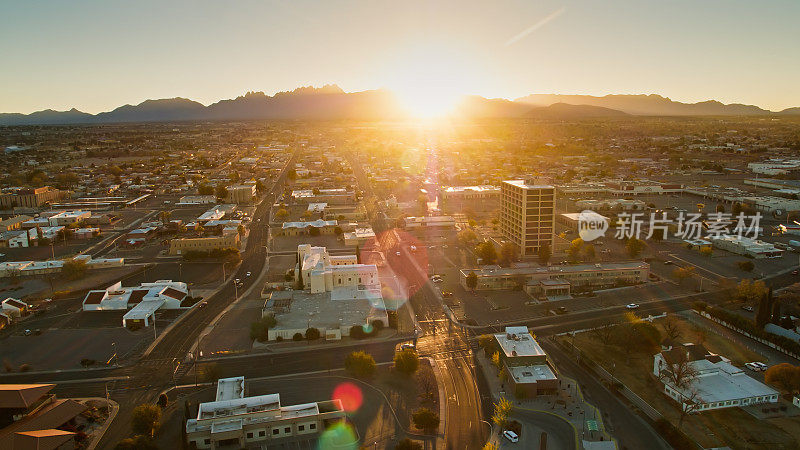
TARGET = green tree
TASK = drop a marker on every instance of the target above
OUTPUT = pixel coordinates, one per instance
(259, 330)
(406, 362)
(589, 253)
(205, 189)
(425, 419)
(784, 376)
(312, 334)
(360, 364)
(486, 252)
(502, 409)
(764, 311)
(574, 250)
(281, 214)
(221, 191)
(746, 266)
(146, 419)
(634, 247)
(467, 236)
(211, 372)
(508, 254)
(472, 281)
(74, 269)
(683, 273)
(544, 254)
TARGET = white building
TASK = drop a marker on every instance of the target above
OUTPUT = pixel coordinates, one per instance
(14, 239)
(197, 200)
(236, 420)
(68, 217)
(322, 272)
(143, 300)
(711, 382)
(359, 236)
(527, 215)
(415, 223)
(303, 228)
(745, 246)
(13, 307)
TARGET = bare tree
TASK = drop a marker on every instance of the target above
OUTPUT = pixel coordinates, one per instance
(427, 384)
(678, 373)
(688, 406)
(671, 327)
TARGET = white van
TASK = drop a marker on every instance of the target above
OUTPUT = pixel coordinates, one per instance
(511, 436)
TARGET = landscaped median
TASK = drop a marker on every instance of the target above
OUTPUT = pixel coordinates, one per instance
(610, 353)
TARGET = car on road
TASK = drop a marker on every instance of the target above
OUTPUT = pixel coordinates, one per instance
(752, 366)
(27, 332)
(632, 305)
(397, 253)
(668, 262)
(247, 274)
(561, 310)
(408, 346)
(437, 279)
(747, 308)
(761, 366)
(795, 272)
(511, 436)
(413, 248)
(203, 305)
(447, 294)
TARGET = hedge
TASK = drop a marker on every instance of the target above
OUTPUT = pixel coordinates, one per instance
(748, 326)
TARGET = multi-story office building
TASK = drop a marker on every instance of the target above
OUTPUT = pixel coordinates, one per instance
(526, 215)
(30, 197)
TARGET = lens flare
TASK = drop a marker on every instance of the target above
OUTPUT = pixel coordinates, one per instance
(350, 395)
(339, 436)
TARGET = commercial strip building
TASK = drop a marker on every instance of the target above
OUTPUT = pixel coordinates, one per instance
(235, 420)
(478, 198)
(529, 370)
(527, 215)
(304, 228)
(333, 313)
(611, 204)
(713, 382)
(30, 268)
(429, 222)
(741, 245)
(331, 196)
(556, 282)
(197, 200)
(143, 300)
(180, 246)
(359, 236)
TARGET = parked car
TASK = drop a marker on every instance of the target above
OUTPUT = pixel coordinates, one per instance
(747, 308)
(561, 310)
(408, 346)
(666, 263)
(447, 294)
(752, 366)
(761, 366)
(203, 304)
(247, 274)
(632, 306)
(511, 436)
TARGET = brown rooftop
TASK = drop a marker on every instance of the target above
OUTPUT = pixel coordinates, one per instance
(22, 396)
(15, 303)
(52, 415)
(137, 295)
(94, 297)
(50, 439)
(174, 293)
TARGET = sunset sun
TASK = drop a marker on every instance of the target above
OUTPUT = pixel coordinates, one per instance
(430, 81)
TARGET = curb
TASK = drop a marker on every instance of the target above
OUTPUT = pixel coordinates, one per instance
(111, 416)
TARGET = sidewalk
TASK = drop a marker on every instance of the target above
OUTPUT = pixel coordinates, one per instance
(568, 404)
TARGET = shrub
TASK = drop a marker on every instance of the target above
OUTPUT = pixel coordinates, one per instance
(145, 419)
(406, 362)
(259, 330)
(297, 337)
(360, 364)
(312, 334)
(425, 419)
(25, 368)
(673, 436)
(162, 400)
(408, 444)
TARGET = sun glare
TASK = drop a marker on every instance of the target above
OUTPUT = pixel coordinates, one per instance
(429, 82)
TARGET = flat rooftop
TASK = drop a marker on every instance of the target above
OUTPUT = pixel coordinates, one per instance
(487, 271)
(342, 306)
(532, 374)
(518, 341)
(524, 185)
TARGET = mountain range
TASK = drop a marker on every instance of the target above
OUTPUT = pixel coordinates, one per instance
(330, 102)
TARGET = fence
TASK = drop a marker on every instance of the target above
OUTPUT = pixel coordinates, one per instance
(745, 333)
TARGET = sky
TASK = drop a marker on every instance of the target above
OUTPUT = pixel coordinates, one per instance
(97, 55)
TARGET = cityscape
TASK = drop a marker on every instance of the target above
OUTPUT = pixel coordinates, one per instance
(410, 262)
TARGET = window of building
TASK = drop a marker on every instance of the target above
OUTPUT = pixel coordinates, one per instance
(312, 426)
(275, 431)
(249, 435)
(287, 430)
(301, 427)
(207, 441)
(262, 433)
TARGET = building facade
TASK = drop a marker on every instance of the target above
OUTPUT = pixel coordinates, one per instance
(529, 370)
(203, 244)
(527, 215)
(30, 197)
(235, 420)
